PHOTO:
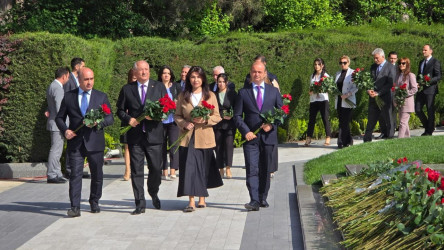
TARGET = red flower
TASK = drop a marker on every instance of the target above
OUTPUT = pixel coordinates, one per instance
(404, 86)
(393, 89)
(442, 184)
(286, 109)
(399, 161)
(433, 176)
(405, 159)
(427, 169)
(362, 69)
(106, 109)
(416, 173)
(427, 78)
(430, 192)
(442, 200)
(287, 96)
(317, 83)
(165, 109)
(207, 105)
(357, 69)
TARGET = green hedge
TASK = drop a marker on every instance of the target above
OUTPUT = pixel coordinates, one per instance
(289, 54)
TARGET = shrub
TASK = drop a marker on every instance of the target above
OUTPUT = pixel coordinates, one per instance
(282, 135)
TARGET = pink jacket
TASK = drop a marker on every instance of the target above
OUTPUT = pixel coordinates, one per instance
(412, 88)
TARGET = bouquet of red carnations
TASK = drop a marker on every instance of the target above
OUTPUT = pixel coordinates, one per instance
(317, 87)
(423, 81)
(286, 99)
(363, 80)
(276, 117)
(331, 87)
(95, 117)
(400, 93)
(158, 111)
(203, 111)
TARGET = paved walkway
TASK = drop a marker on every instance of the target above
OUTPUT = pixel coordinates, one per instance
(33, 213)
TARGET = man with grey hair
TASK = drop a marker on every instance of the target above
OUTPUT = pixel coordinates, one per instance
(183, 76)
(216, 71)
(145, 138)
(383, 75)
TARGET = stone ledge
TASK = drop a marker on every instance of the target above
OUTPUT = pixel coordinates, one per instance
(21, 170)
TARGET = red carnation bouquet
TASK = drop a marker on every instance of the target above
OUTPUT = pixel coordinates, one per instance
(286, 99)
(158, 111)
(203, 111)
(95, 116)
(423, 81)
(400, 93)
(276, 116)
(363, 80)
(317, 87)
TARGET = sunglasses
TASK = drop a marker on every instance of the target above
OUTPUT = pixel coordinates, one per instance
(343, 63)
(403, 63)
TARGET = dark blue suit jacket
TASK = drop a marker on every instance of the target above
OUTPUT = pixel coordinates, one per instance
(129, 106)
(93, 138)
(246, 106)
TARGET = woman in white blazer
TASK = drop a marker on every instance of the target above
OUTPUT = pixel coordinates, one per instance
(348, 89)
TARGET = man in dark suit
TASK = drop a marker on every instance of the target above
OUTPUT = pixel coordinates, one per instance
(216, 71)
(73, 82)
(183, 76)
(144, 139)
(54, 97)
(272, 77)
(383, 73)
(432, 67)
(252, 101)
(87, 142)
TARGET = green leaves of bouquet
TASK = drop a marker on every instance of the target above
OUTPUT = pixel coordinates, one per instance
(94, 117)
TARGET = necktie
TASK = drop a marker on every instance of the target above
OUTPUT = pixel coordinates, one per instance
(377, 70)
(84, 104)
(424, 65)
(143, 94)
(183, 85)
(259, 97)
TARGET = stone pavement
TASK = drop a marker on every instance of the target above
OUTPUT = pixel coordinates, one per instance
(33, 213)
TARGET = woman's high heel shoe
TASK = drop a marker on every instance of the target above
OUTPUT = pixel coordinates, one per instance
(327, 141)
(228, 173)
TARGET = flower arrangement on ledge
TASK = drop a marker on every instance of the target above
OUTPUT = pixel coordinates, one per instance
(392, 204)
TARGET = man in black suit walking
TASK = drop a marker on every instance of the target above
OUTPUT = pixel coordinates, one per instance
(383, 73)
(87, 142)
(253, 100)
(432, 67)
(145, 139)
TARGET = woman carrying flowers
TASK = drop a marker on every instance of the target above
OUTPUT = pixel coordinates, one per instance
(409, 79)
(318, 102)
(197, 111)
(347, 89)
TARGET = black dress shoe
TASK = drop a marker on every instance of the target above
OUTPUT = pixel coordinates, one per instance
(57, 180)
(264, 203)
(95, 209)
(381, 136)
(425, 134)
(139, 210)
(252, 206)
(156, 202)
(74, 212)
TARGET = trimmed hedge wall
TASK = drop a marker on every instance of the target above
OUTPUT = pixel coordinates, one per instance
(289, 55)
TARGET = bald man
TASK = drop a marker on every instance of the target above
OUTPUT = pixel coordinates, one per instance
(88, 142)
(253, 100)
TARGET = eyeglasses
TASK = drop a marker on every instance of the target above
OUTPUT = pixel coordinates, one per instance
(343, 63)
(403, 63)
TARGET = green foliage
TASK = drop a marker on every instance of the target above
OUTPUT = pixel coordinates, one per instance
(355, 129)
(214, 22)
(110, 142)
(237, 139)
(296, 129)
(296, 14)
(282, 135)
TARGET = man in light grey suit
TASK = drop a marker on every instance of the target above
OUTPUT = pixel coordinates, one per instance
(54, 97)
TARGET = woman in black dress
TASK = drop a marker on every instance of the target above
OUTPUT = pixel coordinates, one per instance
(225, 130)
(197, 164)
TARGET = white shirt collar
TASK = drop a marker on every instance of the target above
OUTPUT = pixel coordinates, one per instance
(262, 85)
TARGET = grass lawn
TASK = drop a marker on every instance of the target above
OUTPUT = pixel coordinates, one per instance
(429, 149)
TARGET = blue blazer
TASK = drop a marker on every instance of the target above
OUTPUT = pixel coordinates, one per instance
(93, 138)
(246, 107)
